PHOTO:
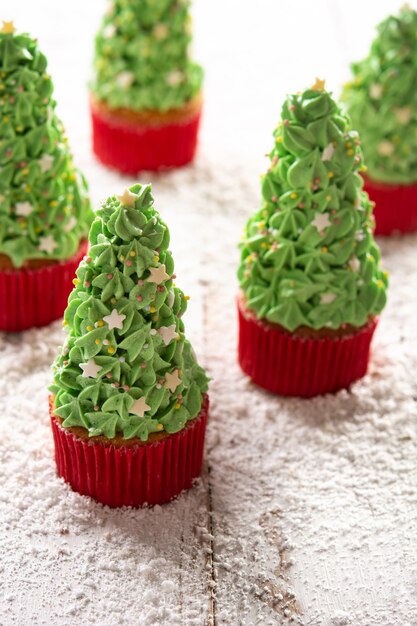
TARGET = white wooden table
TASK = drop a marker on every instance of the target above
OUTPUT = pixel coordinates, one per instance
(306, 512)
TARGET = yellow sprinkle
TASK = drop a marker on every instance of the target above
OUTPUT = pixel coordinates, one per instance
(90, 327)
(132, 253)
(328, 198)
(279, 140)
(156, 258)
(363, 168)
(152, 309)
(98, 342)
(330, 174)
(64, 323)
(111, 350)
(53, 203)
(348, 144)
(6, 119)
(325, 249)
(385, 274)
(75, 281)
(25, 171)
(27, 188)
(113, 300)
(177, 406)
(159, 427)
(19, 129)
(350, 152)
(100, 323)
(187, 298)
(72, 176)
(122, 258)
(264, 244)
(379, 283)
(293, 196)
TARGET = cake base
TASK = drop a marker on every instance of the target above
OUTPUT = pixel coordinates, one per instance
(130, 472)
(131, 142)
(395, 209)
(289, 364)
(36, 295)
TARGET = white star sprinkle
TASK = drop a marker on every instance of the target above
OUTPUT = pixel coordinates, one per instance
(375, 91)
(327, 298)
(127, 198)
(354, 264)
(125, 79)
(321, 221)
(23, 208)
(327, 152)
(174, 78)
(168, 333)
(70, 224)
(172, 380)
(403, 115)
(47, 244)
(90, 369)
(115, 319)
(157, 275)
(109, 31)
(45, 162)
(139, 407)
(385, 148)
(160, 31)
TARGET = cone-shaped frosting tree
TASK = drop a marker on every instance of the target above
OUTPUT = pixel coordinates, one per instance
(44, 208)
(127, 368)
(309, 258)
(142, 60)
(381, 100)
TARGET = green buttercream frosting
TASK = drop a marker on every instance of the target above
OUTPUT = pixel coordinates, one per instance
(308, 255)
(382, 100)
(142, 57)
(127, 367)
(44, 206)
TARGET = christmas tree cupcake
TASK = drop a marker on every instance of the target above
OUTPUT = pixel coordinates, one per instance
(382, 102)
(129, 402)
(311, 286)
(146, 93)
(44, 207)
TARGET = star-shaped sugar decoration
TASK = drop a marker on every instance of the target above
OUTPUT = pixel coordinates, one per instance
(327, 152)
(168, 333)
(47, 244)
(174, 78)
(172, 380)
(125, 79)
(109, 31)
(8, 28)
(70, 224)
(115, 319)
(45, 162)
(321, 221)
(139, 407)
(90, 369)
(160, 31)
(354, 264)
(403, 115)
(23, 208)
(327, 298)
(319, 85)
(385, 148)
(127, 197)
(375, 91)
(157, 275)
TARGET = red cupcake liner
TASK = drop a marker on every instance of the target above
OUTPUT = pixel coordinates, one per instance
(135, 475)
(290, 365)
(36, 297)
(395, 207)
(132, 147)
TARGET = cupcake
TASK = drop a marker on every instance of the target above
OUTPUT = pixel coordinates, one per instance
(382, 104)
(146, 92)
(44, 207)
(311, 285)
(129, 401)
